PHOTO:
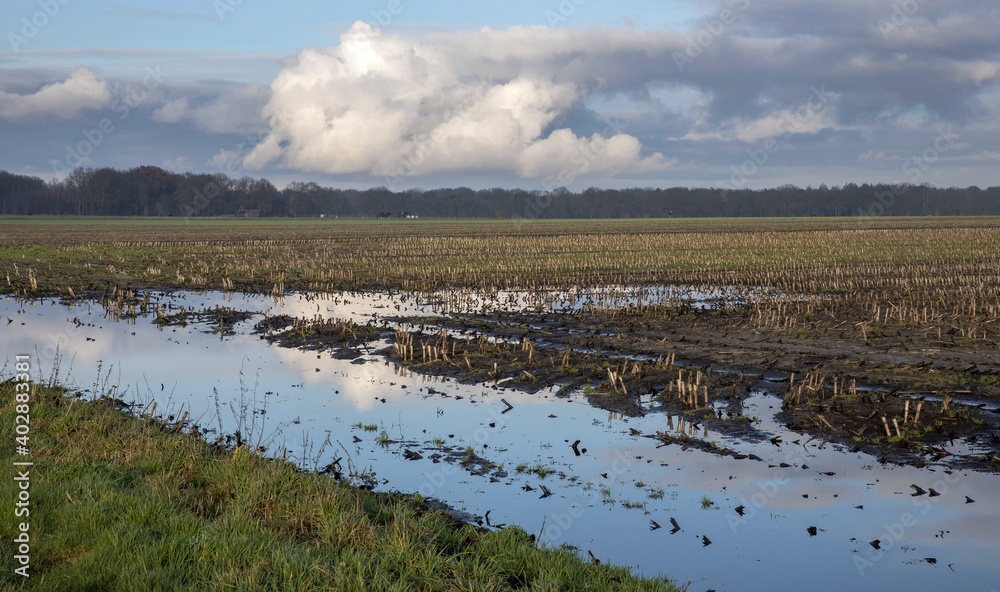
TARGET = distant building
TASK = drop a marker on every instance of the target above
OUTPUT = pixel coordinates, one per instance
(244, 213)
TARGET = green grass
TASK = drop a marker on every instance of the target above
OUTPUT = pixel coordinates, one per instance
(539, 469)
(542, 471)
(119, 504)
(631, 505)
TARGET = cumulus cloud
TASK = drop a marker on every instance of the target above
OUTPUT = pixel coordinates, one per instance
(510, 101)
(391, 105)
(82, 91)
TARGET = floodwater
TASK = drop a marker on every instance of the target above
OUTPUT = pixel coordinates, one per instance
(810, 511)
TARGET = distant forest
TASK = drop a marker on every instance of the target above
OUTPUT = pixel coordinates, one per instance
(152, 191)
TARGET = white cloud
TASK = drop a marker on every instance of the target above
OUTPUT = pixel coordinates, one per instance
(173, 111)
(62, 100)
(786, 122)
(981, 71)
(180, 163)
(391, 105)
(563, 155)
(811, 117)
(223, 159)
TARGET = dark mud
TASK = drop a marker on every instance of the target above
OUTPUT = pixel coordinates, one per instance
(345, 339)
(219, 320)
(891, 426)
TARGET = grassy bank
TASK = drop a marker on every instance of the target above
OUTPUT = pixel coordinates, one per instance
(119, 503)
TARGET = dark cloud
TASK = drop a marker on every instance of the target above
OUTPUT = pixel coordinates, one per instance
(879, 57)
(220, 107)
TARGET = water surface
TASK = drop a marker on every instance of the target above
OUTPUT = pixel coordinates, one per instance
(615, 500)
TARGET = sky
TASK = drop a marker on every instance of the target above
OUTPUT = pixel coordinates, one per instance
(539, 95)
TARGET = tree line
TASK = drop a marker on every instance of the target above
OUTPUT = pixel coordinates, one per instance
(152, 191)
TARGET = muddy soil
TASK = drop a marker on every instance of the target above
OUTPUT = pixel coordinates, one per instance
(344, 338)
(219, 320)
(859, 390)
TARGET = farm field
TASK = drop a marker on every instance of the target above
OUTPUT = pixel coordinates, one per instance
(816, 255)
(862, 355)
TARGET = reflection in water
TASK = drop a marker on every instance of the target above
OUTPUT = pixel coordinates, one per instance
(801, 517)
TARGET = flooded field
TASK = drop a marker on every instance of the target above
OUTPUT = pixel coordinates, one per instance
(745, 503)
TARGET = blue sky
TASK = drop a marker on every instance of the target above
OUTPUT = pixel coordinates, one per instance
(722, 93)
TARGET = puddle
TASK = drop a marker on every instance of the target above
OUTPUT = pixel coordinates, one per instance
(806, 514)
